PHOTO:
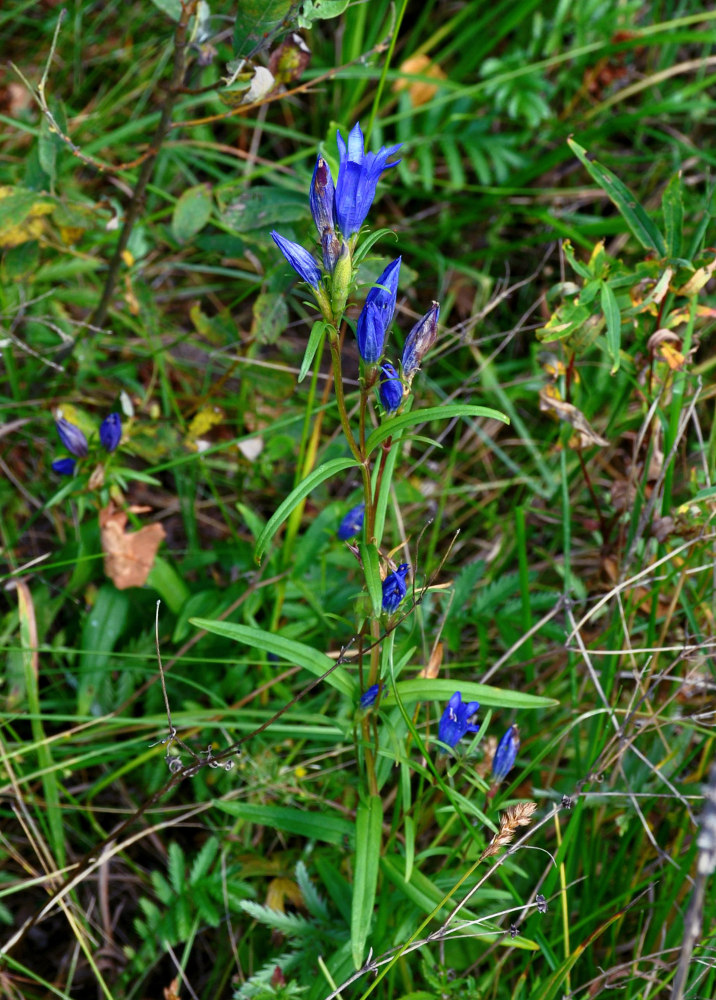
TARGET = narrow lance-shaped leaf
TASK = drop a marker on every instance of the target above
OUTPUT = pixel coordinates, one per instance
(629, 208)
(389, 427)
(371, 567)
(672, 208)
(369, 817)
(290, 650)
(610, 308)
(429, 689)
(318, 476)
(315, 339)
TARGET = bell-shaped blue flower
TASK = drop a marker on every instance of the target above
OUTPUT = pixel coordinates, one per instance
(64, 466)
(300, 260)
(506, 754)
(395, 588)
(72, 437)
(419, 341)
(358, 176)
(110, 431)
(454, 722)
(391, 388)
(369, 695)
(377, 314)
(321, 197)
(351, 523)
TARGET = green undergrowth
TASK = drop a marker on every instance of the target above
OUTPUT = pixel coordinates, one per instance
(549, 480)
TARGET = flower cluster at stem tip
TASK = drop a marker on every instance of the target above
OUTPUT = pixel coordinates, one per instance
(73, 438)
(339, 211)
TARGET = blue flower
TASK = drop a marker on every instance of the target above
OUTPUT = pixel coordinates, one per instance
(321, 197)
(377, 314)
(351, 523)
(454, 721)
(110, 431)
(64, 466)
(419, 341)
(72, 437)
(506, 754)
(369, 695)
(299, 259)
(358, 176)
(391, 388)
(395, 588)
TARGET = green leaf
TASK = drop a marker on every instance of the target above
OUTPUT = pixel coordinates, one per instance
(172, 8)
(368, 242)
(305, 656)
(318, 476)
(315, 339)
(369, 818)
(316, 10)
(260, 209)
(191, 212)
(168, 584)
(322, 826)
(47, 151)
(581, 269)
(270, 317)
(256, 21)
(610, 308)
(629, 208)
(389, 427)
(425, 689)
(102, 626)
(371, 568)
(672, 207)
(708, 493)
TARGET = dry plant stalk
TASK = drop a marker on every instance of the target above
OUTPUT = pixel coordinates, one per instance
(511, 819)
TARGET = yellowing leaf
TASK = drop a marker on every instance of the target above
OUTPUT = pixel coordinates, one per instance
(673, 358)
(205, 419)
(21, 214)
(698, 279)
(282, 889)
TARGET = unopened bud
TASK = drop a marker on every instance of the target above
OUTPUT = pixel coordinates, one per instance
(420, 339)
(342, 275)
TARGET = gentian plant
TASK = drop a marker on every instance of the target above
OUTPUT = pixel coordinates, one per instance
(339, 208)
(75, 440)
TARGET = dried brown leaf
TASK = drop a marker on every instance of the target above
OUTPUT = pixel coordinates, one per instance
(128, 555)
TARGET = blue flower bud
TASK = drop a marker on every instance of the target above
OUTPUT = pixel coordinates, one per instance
(72, 437)
(321, 197)
(454, 722)
(506, 754)
(420, 339)
(395, 588)
(351, 523)
(300, 260)
(358, 176)
(369, 695)
(64, 466)
(377, 314)
(110, 431)
(391, 388)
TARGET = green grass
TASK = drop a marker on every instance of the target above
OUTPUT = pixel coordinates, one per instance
(279, 841)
